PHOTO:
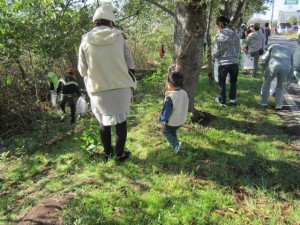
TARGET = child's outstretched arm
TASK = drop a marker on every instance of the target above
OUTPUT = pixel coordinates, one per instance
(166, 111)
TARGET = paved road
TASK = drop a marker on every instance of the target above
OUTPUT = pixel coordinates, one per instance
(291, 109)
(279, 39)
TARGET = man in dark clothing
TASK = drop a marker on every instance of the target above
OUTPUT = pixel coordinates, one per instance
(67, 87)
(267, 34)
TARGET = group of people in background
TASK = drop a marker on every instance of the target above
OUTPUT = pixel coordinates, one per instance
(107, 65)
(277, 59)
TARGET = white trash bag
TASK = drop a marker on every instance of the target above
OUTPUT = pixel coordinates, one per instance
(216, 73)
(228, 78)
(216, 69)
(273, 86)
(82, 105)
(53, 98)
(248, 61)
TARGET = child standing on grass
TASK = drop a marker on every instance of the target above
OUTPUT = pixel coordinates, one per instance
(175, 109)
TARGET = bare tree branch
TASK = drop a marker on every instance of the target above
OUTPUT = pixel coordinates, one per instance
(239, 12)
(161, 7)
(134, 14)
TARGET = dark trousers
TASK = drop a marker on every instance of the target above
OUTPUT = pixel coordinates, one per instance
(170, 133)
(233, 71)
(71, 103)
(121, 136)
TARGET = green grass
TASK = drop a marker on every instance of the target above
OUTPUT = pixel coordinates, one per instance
(241, 169)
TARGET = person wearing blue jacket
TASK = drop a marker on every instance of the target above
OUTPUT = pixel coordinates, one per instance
(175, 109)
(226, 49)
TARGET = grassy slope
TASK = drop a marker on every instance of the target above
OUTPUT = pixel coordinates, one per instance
(241, 169)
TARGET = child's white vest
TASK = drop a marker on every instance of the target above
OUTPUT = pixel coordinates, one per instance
(180, 107)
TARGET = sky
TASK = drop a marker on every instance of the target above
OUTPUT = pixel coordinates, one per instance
(279, 5)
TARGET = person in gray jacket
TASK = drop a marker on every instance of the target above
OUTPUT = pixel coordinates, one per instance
(226, 49)
(276, 62)
(296, 59)
(254, 42)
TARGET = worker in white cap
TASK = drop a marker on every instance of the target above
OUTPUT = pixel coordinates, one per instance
(104, 57)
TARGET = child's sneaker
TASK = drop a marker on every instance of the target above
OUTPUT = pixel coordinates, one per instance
(178, 146)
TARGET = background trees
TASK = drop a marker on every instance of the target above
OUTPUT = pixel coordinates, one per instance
(38, 36)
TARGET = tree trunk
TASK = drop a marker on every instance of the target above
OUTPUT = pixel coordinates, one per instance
(240, 9)
(190, 24)
(23, 73)
(234, 10)
(227, 9)
(209, 55)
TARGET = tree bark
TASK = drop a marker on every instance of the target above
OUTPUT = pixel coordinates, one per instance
(234, 10)
(241, 6)
(208, 41)
(23, 73)
(190, 25)
(227, 9)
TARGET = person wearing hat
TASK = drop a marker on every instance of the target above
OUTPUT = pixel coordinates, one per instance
(67, 87)
(226, 49)
(242, 31)
(255, 44)
(277, 62)
(104, 57)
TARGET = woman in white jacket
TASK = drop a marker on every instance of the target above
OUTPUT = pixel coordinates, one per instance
(105, 59)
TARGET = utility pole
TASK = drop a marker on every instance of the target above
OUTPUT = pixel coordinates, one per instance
(272, 13)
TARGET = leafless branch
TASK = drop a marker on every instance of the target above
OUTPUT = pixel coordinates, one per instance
(161, 7)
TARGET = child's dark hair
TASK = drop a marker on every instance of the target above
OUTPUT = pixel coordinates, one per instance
(223, 21)
(176, 79)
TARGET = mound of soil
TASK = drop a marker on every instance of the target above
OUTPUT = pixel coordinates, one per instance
(203, 118)
(46, 212)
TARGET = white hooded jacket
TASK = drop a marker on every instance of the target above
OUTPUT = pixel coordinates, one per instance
(105, 58)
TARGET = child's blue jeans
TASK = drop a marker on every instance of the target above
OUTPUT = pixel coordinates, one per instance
(170, 133)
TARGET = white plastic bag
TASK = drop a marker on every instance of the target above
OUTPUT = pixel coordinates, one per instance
(216, 69)
(82, 105)
(53, 98)
(228, 79)
(216, 73)
(273, 86)
(248, 61)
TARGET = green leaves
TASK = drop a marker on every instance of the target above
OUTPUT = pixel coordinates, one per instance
(41, 27)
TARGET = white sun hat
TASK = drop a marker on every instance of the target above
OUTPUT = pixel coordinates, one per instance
(105, 11)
